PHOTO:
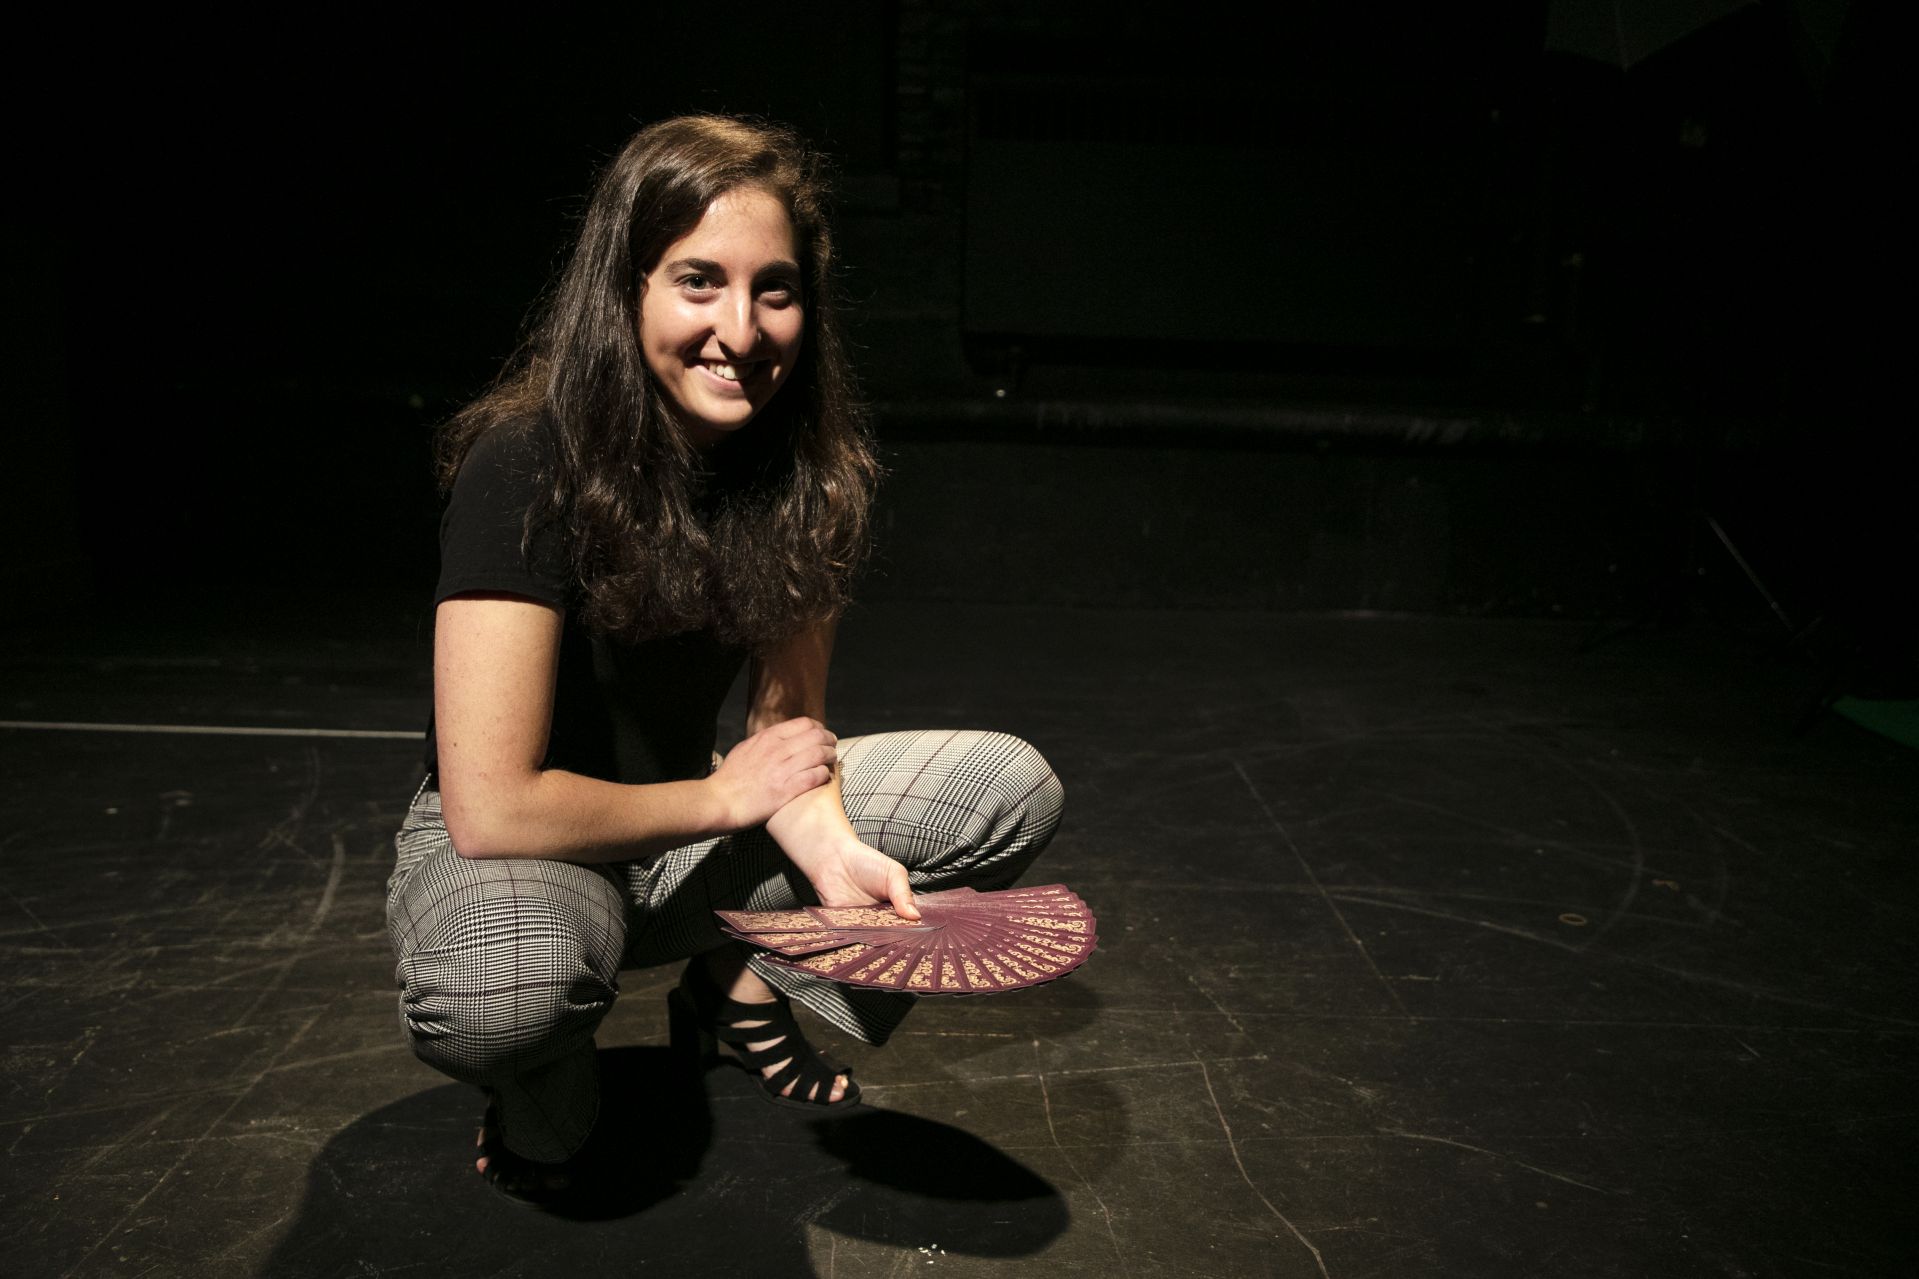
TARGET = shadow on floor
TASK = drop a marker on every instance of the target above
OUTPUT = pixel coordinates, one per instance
(719, 1184)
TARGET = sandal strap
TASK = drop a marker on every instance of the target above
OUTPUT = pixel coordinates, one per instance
(735, 1022)
(739, 1024)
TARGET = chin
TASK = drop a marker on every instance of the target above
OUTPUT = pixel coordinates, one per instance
(706, 432)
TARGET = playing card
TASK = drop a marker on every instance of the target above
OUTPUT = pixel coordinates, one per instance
(859, 917)
(768, 921)
(965, 942)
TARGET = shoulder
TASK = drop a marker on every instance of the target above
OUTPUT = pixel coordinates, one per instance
(488, 542)
(517, 453)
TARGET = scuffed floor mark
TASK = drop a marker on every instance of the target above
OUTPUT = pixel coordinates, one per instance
(1069, 1070)
(1106, 1214)
(1392, 992)
(332, 886)
(1211, 999)
(1636, 873)
(144, 1123)
(189, 1147)
(1247, 1177)
(88, 1038)
(1638, 961)
(40, 926)
(1494, 1154)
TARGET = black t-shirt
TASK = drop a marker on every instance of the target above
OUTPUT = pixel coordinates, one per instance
(643, 712)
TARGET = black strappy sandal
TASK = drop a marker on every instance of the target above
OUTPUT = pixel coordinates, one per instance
(520, 1180)
(701, 1018)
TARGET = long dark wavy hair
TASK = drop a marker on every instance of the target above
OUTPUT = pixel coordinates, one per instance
(756, 538)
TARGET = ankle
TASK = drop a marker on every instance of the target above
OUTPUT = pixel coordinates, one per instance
(734, 979)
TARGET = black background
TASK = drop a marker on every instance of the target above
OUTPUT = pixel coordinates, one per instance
(255, 262)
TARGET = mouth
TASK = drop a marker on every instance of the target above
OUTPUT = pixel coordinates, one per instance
(731, 372)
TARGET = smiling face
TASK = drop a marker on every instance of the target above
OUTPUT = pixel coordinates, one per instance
(722, 316)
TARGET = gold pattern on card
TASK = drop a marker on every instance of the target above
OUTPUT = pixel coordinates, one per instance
(870, 970)
(892, 974)
(780, 919)
(974, 977)
(863, 917)
(826, 961)
(1048, 921)
(922, 978)
(1013, 962)
(949, 979)
(1043, 963)
(999, 976)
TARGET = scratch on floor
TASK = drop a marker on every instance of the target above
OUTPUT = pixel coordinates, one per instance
(143, 1123)
(232, 1251)
(1637, 871)
(1481, 1150)
(1584, 851)
(1358, 899)
(40, 925)
(1344, 892)
(283, 831)
(1247, 1177)
(394, 1050)
(1392, 992)
(88, 1036)
(155, 993)
(1081, 1070)
(1211, 999)
(332, 885)
(1684, 974)
(1106, 1214)
(134, 1209)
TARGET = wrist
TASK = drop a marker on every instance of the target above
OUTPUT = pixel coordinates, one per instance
(803, 829)
(717, 810)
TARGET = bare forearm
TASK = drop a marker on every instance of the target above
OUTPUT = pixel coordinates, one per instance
(495, 667)
(821, 843)
(812, 828)
(813, 823)
(567, 817)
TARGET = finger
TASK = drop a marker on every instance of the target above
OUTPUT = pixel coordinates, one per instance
(810, 754)
(810, 779)
(794, 727)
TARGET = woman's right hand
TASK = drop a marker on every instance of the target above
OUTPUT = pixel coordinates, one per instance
(773, 767)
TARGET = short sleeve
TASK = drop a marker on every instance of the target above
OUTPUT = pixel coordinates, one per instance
(485, 519)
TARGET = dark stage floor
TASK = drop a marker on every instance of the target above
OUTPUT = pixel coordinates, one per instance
(1429, 948)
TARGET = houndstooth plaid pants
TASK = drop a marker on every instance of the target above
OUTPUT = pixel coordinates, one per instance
(507, 965)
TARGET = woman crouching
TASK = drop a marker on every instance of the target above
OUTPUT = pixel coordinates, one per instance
(670, 482)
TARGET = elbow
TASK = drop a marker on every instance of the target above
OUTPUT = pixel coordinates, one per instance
(480, 827)
(474, 847)
(474, 840)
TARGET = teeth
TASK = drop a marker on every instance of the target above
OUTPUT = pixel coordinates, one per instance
(730, 372)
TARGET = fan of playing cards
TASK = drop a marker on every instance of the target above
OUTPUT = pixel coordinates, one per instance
(964, 943)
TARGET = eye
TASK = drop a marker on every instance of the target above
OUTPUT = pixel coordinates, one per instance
(777, 292)
(697, 283)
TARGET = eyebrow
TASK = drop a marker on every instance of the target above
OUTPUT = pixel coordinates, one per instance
(707, 267)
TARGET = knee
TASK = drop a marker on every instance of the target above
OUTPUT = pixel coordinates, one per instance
(1027, 787)
(506, 979)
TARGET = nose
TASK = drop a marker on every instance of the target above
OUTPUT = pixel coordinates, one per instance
(735, 325)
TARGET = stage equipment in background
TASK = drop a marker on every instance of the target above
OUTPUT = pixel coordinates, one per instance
(964, 943)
